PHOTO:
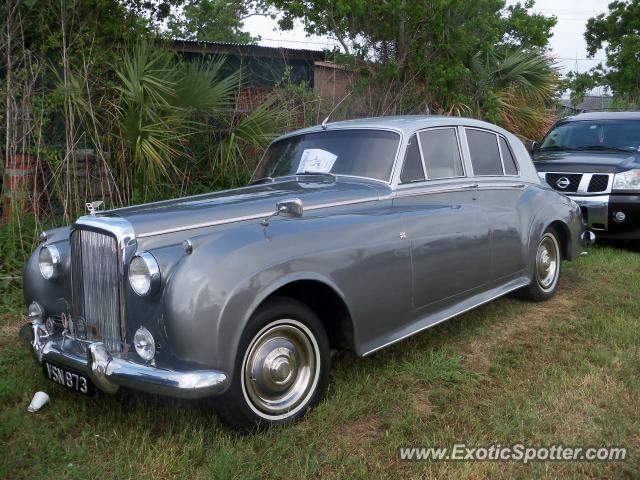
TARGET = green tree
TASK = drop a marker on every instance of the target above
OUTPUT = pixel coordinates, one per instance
(214, 20)
(424, 49)
(618, 31)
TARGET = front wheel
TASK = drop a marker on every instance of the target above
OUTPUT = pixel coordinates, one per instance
(546, 268)
(282, 367)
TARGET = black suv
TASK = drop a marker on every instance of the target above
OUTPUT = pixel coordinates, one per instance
(594, 158)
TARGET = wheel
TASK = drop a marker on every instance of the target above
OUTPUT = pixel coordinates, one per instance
(282, 367)
(546, 268)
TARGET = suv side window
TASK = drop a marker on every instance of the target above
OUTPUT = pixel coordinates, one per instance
(508, 161)
(485, 156)
(441, 153)
(412, 170)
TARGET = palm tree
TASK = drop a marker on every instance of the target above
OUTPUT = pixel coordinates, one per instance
(164, 101)
(520, 86)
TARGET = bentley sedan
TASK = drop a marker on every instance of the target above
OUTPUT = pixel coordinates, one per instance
(351, 235)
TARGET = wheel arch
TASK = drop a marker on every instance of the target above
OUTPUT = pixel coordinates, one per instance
(311, 288)
(326, 303)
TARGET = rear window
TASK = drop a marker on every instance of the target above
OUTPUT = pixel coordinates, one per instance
(485, 156)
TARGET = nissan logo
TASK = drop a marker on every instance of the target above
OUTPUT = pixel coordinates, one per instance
(563, 182)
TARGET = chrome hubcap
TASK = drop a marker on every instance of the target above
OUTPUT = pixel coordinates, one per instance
(547, 261)
(280, 367)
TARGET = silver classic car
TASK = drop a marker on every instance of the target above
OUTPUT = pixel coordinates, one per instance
(351, 235)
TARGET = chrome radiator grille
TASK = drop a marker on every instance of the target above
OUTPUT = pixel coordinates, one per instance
(95, 287)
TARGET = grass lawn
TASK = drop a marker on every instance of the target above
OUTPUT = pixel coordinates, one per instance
(565, 371)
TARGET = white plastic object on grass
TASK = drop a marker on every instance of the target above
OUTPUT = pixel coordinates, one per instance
(39, 399)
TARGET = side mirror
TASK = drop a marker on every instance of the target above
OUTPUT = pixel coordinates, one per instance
(290, 208)
(531, 146)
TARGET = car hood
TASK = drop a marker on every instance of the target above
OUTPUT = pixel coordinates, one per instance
(585, 162)
(239, 204)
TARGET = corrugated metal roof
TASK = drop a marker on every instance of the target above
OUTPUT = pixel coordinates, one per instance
(244, 48)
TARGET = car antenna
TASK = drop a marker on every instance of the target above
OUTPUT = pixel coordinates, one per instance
(324, 122)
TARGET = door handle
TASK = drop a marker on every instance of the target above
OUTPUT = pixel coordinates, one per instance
(471, 186)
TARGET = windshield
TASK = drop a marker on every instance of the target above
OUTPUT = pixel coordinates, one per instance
(594, 135)
(362, 153)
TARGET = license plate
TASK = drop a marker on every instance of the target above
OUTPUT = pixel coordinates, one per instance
(68, 378)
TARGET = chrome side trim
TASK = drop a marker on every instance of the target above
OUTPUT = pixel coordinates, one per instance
(502, 186)
(391, 342)
(345, 202)
(255, 216)
(412, 190)
(427, 190)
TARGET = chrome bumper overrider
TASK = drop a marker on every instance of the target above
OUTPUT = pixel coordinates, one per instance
(108, 373)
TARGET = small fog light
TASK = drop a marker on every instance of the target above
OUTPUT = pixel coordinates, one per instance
(145, 344)
(619, 217)
(35, 312)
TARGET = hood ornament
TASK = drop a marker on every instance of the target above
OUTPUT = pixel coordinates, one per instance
(92, 207)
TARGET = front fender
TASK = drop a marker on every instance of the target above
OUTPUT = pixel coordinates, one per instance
(211, 294)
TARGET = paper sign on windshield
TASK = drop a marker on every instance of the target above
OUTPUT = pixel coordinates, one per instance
(316, 160)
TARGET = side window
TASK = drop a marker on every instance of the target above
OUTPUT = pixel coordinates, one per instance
(412, 170)
(510, 167)
(441, 153)
(485, 156)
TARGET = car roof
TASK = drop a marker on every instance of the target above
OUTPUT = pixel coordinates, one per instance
(603, 116)
(405, 124)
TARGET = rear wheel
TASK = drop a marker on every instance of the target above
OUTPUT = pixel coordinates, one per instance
(546, 268)
(281, 368)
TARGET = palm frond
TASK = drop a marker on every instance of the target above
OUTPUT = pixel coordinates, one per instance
(204, 86)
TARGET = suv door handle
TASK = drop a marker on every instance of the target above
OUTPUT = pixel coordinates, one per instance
(471, 186)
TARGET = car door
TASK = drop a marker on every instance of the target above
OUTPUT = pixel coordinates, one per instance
(501, 193)
(445, 224)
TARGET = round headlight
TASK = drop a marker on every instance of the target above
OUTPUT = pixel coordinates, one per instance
(144, 274)
(145, 344)
(49, 261)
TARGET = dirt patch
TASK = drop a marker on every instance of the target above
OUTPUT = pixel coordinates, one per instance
(421, 403)
(478, 353)
(9, 333)
(365, 430)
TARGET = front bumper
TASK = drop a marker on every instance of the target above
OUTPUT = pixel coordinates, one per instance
(599, 210)
(109, 373)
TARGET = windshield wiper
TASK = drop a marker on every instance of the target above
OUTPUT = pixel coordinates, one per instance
(260, 180)
(324, 174)
(606, 147)
(557, 148)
